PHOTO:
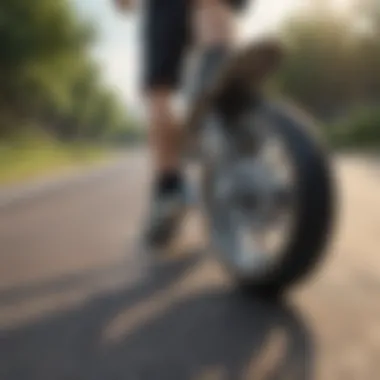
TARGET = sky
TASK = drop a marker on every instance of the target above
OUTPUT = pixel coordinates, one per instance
(117, 48)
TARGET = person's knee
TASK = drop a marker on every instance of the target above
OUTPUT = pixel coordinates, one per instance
(213, 22)
(159, 108)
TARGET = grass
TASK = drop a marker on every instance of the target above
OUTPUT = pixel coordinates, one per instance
(29, 158)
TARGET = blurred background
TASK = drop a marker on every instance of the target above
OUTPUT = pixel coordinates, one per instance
(76, 302)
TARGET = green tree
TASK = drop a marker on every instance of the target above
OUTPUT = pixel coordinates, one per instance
(47, 74)
(332, 64)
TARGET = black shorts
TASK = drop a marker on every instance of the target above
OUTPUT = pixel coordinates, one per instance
(167, 34)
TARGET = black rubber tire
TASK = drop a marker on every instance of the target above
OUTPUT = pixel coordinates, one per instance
(315, 188)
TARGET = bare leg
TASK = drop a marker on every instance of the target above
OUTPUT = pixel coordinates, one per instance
(165, 131)
(213, 23)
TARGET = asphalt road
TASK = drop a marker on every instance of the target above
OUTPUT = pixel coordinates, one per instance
(78, 301)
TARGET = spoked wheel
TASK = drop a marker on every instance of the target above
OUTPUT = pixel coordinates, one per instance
(268, 197)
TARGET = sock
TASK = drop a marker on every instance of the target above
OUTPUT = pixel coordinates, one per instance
(168, 182)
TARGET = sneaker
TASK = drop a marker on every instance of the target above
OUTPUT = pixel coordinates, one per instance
(167, 210)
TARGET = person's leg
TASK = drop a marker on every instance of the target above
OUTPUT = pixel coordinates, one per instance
(213, 23)
(165, 139)
(166, 36)
(215, 31)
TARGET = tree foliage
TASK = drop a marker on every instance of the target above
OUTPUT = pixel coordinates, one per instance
(333, 62)
(47, 75)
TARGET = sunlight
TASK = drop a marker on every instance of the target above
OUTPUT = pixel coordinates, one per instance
(194, 281)
(263, 17)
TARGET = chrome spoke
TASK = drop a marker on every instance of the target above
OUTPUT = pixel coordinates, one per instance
(252, 202)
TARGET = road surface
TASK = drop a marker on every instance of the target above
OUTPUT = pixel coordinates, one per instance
(78, 302)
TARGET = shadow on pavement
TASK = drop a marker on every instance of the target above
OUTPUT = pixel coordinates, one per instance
(208, 335)
(62, 283)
